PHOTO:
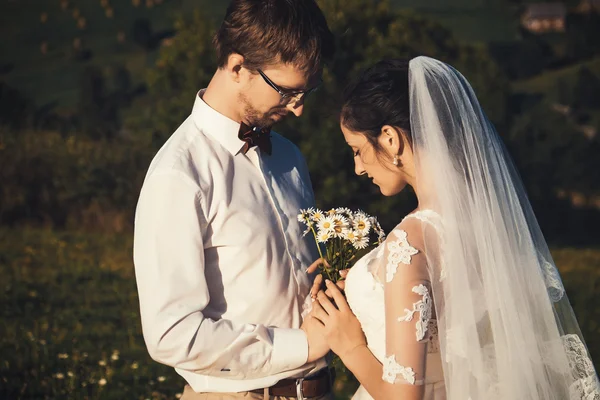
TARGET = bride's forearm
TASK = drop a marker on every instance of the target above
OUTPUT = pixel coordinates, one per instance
(369, 372)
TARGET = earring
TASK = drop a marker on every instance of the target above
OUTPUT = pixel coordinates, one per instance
(395, 162)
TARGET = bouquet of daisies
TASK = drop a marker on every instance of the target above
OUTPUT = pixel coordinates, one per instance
(342, 237)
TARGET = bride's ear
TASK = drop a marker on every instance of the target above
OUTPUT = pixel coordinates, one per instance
(392, 140)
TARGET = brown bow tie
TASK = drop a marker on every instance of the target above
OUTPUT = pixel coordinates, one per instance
(253, 136)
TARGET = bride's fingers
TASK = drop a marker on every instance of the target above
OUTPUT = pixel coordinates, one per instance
(338, 297)
(324, 301)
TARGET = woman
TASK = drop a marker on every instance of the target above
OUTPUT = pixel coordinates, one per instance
(462, 301)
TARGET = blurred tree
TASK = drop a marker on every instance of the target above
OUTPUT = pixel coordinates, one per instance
(15, 109)
(142, 33)
(582, 35)
(97, 114)
(587, 90)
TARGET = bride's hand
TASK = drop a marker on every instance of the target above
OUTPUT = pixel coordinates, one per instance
(339, 325)
(318, 282)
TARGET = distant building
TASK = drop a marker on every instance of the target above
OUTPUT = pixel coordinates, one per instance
(588, 6)
(544, 17)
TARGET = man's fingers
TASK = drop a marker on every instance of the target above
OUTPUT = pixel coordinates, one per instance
(344, 273)
(315, 265)
(318, 312)
(316, 286)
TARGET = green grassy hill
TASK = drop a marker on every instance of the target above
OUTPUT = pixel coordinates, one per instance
(470, 20)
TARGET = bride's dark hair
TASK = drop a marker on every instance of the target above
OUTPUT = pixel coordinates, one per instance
(378, 97)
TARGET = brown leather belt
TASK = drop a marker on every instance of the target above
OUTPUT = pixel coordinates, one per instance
(313, 386)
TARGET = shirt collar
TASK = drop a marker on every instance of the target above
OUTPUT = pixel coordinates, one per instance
(216, 125)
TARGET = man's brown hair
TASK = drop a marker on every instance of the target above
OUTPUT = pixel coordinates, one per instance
(266, 32)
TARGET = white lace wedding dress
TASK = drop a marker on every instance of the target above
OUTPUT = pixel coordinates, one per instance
(389, 292)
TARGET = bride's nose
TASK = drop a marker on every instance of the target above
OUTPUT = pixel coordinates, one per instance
(358, 166)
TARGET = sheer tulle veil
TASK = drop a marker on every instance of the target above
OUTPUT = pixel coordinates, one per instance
(507, 330)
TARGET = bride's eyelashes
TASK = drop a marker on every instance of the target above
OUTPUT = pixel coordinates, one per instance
(356, 153)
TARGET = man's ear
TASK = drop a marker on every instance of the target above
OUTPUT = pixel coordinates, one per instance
(234, 67)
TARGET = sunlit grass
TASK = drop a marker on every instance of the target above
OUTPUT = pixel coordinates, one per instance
(70, 320)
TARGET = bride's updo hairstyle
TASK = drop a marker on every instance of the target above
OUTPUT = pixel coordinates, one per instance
(378, 97)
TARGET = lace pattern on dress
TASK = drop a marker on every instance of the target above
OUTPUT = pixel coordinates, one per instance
(435, 220)
(391, 369)
(400, 252)
(586, 385)
(556, 290)
(423, 307)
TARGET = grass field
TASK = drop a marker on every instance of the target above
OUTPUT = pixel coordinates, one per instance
(70, 323)
(545, 83)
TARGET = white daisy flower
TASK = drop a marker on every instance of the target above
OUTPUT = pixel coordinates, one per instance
(326, 224)
(59, 375)
(324, 236)
(317, 215)
(304, 216)
(102, 382)
(362, 224)
(351, 235)
(361, 242)
(340, 225)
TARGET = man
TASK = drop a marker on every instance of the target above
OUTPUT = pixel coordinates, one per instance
(219, 257)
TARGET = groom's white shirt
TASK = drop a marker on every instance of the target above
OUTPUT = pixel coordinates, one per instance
(219, 257)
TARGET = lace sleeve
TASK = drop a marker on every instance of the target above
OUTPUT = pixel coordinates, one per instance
(408, 307)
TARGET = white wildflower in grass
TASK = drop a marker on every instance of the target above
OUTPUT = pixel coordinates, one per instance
(102, 382)
(43, 342)
(102, 363)
(70, 374)
(114, 357)
(326, 224)
(59, 375)
(134, 365)
(63, 356)
(342, 236)
(161, 378)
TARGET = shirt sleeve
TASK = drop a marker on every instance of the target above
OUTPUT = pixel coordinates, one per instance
(408, 309)
(173, 292)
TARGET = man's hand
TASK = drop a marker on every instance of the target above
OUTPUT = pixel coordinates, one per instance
(317, 346)
(318, 283)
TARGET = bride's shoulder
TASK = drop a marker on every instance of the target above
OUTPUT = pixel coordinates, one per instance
(409, 231)
(415, 226)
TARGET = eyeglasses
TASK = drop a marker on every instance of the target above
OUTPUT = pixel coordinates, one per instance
(288, 97)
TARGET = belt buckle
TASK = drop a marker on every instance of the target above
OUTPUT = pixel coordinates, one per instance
(299, 393)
